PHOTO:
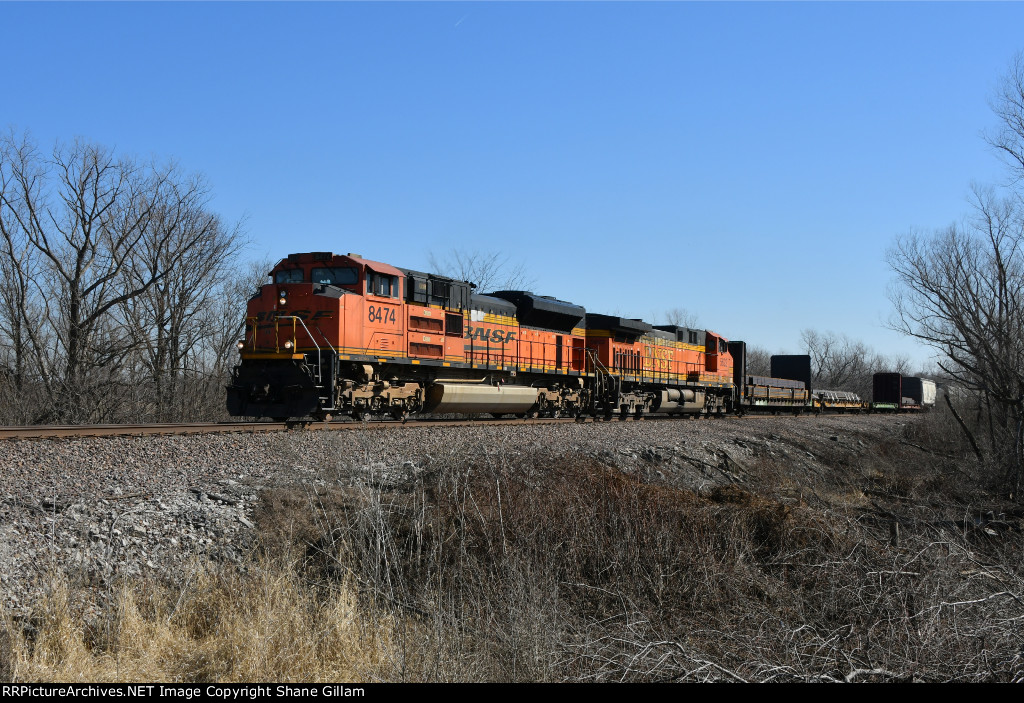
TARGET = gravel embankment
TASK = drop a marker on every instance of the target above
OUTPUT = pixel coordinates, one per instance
(100, 509)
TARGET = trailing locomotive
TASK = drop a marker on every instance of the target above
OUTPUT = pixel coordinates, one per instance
(336, 335)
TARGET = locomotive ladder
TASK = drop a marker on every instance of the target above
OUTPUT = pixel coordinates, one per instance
(327, 401)
(605, 383)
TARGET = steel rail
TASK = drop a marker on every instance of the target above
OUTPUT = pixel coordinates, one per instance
(111, 430)
(184, 428)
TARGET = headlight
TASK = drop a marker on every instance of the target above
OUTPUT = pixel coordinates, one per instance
(288, 344)
(241, 345)
(282, 300)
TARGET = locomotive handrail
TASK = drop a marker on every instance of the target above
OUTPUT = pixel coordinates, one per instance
(319, 360)
(603, 377)
(308, 333)
(326, 341)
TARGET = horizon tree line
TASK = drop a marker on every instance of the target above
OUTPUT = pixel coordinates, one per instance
(119, 287)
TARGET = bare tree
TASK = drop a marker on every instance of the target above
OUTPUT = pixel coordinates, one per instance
(1008, 105)
(198, 252)
(758, 361)
(681, 317)
(836, 360)
(18, 303)
(488, 270)
(961, 292)
(223, 321)
(89, 240)
(841, 363)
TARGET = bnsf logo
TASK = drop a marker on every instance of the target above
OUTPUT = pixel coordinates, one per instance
(483, 334)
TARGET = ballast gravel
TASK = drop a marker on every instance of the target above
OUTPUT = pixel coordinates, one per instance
(98, 510)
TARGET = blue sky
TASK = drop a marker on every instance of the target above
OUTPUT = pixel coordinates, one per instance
(750, 162)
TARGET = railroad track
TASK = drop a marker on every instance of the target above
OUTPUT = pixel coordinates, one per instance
(182, 428)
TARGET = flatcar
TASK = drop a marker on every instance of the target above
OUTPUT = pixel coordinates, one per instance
(788, 388)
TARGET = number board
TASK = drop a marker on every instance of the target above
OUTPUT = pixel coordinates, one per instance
(381, 315)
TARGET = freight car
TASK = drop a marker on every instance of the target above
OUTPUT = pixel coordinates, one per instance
(788, 388)
(894, 392)
(342, 335)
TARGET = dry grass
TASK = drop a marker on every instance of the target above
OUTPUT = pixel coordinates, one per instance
(224, 625)
(6, 656)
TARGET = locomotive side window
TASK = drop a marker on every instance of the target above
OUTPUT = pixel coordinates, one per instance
(381, 284)
(722, 346)
(288, 276)
(336, 276)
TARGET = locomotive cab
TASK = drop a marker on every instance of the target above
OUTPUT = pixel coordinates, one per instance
(314, 297)
(318, 307)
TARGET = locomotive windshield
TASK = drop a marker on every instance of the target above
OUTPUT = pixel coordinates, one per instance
(336, 275)
(288, 276)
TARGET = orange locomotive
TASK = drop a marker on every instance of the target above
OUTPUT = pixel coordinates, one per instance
(342, 335)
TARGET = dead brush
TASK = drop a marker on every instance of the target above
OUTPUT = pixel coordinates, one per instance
(536, 567)
(508, 562)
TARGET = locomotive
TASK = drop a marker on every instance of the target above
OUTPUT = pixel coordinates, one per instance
(340, 335)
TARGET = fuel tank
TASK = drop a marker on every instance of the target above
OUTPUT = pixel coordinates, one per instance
(682, 400)
(479, 398)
